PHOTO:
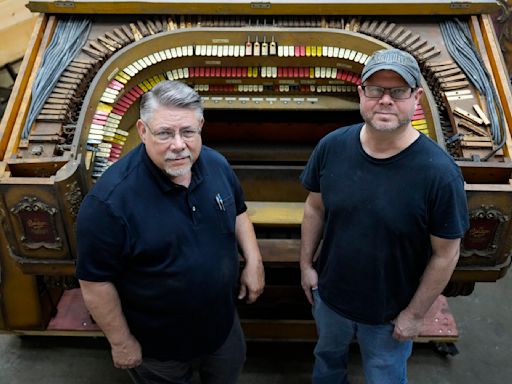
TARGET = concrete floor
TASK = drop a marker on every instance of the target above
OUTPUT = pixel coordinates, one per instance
(484, 320)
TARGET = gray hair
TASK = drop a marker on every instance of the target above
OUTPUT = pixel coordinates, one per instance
(170, 93)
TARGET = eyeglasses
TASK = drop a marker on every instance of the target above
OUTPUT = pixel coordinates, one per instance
(397, 93)
(165, 136)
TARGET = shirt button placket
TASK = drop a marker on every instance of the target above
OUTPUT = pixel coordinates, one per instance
(193, 212)
(193, 208)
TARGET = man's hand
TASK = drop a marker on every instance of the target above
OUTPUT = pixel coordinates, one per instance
(309, 280)
(407, 327)
(445, 254)
(102, 300)
(127, 354)
(311, 234)
(252, 281)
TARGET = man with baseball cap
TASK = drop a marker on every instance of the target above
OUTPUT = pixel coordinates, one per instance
(390, 208)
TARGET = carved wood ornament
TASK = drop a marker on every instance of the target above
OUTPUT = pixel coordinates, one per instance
(37, 221)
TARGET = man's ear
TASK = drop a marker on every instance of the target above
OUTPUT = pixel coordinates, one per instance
(360, 91)
(419, 93)
(141, 129)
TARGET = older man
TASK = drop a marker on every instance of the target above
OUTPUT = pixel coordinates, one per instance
(391, 208)
(157, 249)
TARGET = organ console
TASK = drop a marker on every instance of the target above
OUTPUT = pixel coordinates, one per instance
(275, 77)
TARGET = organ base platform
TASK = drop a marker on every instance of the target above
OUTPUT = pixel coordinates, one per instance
(275, 77)
(72, 319)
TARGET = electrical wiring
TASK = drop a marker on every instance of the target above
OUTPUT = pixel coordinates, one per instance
(69, 37)
(461, 47)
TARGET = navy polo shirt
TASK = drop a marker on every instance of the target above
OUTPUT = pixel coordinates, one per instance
(170, 251)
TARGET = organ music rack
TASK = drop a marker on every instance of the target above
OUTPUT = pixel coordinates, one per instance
(275, 77)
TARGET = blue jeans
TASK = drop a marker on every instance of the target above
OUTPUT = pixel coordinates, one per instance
(384, 358)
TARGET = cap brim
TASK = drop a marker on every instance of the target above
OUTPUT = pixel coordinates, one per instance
(392, 67)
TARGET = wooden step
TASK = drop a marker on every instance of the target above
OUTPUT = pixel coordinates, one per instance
(282, 330)
(275, 213)
(280, 250)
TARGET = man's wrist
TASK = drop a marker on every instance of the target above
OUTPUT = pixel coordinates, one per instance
(306, 265)
(253, 261)
(413, 314)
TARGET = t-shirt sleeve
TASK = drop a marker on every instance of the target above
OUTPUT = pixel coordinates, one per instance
(101, 241)
(238, 192)
(310, 177)
(449, 218)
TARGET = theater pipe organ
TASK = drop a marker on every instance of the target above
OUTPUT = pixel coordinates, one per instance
(275, 77)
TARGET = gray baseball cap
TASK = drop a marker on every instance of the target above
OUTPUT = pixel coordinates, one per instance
(394, 60)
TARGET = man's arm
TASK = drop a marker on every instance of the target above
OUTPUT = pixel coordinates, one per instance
(311, 233)
(102, 301)
(252, 280)
(445, 254)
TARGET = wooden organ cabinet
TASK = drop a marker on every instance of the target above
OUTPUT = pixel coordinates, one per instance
(275, 77)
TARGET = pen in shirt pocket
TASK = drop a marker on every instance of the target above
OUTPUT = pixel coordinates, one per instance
(220, 202)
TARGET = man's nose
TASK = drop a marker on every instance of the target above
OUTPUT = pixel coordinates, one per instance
(386, 97)
(178, 143)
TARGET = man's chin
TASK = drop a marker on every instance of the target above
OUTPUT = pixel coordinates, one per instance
(178, 171)
(385, 127)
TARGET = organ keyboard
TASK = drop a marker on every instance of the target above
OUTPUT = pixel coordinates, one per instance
(274, 77)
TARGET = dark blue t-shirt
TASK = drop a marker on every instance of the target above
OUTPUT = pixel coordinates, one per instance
(379, 214)
(170, 251)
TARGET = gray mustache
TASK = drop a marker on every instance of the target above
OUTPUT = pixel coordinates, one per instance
(175, 156)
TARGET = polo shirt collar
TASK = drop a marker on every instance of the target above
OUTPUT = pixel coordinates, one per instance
(163, 181)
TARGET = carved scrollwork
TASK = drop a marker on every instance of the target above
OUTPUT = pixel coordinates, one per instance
(74, 198)
(3, 224)
(486, 227)
(66, 282)
(459, 288)
(503, 26)
(37, 221)
(505, 11)
(3, 219)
